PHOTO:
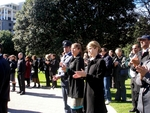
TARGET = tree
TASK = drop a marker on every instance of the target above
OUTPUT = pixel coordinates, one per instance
(43, 24)
(6, 41)
(143, 8)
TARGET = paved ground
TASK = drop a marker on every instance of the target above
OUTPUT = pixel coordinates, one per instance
(39, 101)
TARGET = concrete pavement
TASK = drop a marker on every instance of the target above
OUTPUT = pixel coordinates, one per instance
(39, 100)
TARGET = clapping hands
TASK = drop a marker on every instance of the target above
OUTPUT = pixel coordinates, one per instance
(79, 74)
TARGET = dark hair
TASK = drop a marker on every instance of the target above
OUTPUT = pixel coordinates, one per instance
(34, 57)
(104, 49)
(1, 48)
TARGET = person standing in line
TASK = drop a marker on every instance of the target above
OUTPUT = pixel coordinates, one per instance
(134, 87)
(34, 65)
(54, 65)
(64, 82)
(112, 79)
(28, 71)
(94, 101)
(76, 85)
(4, 83)
(109, 62)
(47, 70)
(21, 65)
(13, 66)
(143, 80)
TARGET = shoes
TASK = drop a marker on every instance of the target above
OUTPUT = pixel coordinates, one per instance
(107, 102)
(34, 86)
(39, 86)
(53, 87)
(118, 100)
(22, 93)
(18, 92)
(133, 110)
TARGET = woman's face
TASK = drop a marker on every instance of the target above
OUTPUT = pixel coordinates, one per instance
(74, 50)
(92, 52)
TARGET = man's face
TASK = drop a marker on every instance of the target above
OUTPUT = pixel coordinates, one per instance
(144, 43)
(66, 49)
(20, 55)
(135, 49)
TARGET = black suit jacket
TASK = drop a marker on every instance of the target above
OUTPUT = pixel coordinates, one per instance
(4, 79)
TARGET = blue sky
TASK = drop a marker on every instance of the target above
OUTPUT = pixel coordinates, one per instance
(10, 1)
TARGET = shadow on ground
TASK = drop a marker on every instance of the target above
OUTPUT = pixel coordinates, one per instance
(20, 111)
(42, 95)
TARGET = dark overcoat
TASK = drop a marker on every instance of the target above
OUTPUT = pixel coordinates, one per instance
(4, 80)
(76, 85)
(94, 89)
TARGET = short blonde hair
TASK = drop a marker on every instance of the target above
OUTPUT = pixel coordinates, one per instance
(94, 44)
(118, 50)
(47, 56)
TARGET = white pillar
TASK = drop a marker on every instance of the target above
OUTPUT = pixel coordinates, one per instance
(7, 14)
(11, 14)
(4, 14)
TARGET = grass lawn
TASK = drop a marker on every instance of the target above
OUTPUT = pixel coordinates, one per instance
(43, 81)
(120, 107)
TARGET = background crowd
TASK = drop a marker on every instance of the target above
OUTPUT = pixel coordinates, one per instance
(86, 77)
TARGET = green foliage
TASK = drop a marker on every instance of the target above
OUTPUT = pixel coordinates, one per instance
(142, 27)
(42, 25)
(6, 41)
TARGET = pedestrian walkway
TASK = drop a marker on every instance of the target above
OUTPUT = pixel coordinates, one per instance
(39, 100)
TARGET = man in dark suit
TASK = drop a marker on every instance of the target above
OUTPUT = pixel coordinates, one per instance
(64, 82)
(21, 73)
(108, 60)
(4, 83)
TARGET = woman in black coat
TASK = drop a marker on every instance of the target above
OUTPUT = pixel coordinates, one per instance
(35, 77)
(94, 90)
(13, 66)
(76, 85)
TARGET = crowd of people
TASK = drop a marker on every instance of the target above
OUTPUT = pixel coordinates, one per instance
(86, 77)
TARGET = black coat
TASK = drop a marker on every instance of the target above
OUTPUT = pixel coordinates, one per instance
(13, 66)
(76, 86)
(109, 65)
(54, 65)
(4, 79)
(94, 89)
(21, 66)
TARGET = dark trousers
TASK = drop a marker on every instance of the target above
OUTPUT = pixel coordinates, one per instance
(47, 76)
(77, 111)
(121, 90)
(3, 106)
(54, 83)
(21, 82)
(65, 96)
(28, 81)
(135, 93)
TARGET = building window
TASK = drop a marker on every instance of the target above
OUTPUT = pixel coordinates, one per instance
(10, 30)
(9, 24)
(9, 18)
(14, 7)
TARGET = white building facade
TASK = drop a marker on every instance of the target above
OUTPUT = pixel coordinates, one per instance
(7, 15)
